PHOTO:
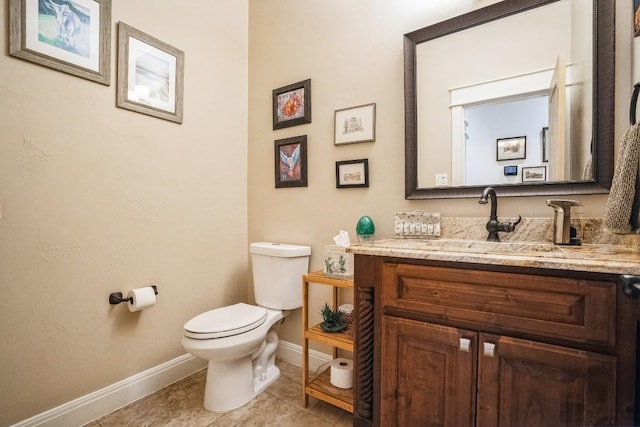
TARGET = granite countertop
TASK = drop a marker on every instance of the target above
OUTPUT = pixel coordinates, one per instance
(531, 247)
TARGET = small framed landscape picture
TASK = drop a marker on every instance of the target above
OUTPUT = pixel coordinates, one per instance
(292, 105)
(511, 148)
(352, 173)
(534, 174)
(150, 75)
(355, 124)
(291, 162)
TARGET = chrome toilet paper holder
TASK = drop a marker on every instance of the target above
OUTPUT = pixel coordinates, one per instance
(117, 297)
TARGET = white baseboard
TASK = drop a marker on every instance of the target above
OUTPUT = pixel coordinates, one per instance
(292, 353)
(94, 405)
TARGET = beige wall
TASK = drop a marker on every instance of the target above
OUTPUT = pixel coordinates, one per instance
(352, 51)
(97, 199)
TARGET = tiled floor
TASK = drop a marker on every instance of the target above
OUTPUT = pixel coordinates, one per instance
(180, 404)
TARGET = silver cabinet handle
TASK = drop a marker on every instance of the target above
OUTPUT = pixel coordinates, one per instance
(630, 285)
(465, 344)
(489, 349)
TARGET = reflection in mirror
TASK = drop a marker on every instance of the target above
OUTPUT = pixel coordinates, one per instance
(492, 142)
(537, 69)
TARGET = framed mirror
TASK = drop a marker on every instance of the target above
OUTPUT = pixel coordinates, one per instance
(518, 95)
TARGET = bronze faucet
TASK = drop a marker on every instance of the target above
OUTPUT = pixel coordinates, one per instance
(493, 226)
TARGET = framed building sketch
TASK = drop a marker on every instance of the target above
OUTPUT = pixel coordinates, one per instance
(534, 174)
(511, 148)
(355, 124)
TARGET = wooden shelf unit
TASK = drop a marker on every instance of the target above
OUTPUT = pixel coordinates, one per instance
(321, 387)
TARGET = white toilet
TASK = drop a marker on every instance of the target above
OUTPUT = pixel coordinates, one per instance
(240, 340)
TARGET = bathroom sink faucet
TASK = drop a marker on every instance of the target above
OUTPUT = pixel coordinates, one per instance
(493, 226)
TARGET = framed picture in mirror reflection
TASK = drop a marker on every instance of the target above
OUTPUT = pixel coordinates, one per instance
(534, 174)
(513, 148)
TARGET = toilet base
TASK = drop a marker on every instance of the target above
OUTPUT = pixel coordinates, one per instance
(259, 384)
(230, 384)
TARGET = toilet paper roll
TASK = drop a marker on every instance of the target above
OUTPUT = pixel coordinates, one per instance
(341, 373)
(142, 298)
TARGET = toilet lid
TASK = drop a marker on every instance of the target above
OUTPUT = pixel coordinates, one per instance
(226, 321)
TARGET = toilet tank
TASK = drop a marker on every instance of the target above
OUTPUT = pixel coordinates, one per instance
(277, 274)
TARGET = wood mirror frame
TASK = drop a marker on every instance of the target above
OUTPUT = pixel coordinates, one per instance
(603, 104)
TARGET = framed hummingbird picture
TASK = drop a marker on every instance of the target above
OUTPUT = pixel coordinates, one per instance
(291, 162)
(292, 105)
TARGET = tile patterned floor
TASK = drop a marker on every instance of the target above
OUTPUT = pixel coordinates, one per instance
(180, 404)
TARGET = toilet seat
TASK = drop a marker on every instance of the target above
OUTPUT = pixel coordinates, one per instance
(225, 322)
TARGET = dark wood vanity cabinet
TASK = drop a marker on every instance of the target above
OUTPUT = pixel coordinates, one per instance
(461, 345)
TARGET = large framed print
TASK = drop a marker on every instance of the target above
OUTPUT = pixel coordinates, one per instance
(150, 75)
(72, 36)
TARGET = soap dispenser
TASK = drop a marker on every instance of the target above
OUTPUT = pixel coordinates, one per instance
(575, 229)
(567, 224)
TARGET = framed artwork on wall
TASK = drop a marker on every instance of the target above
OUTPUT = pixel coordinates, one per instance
(150, 75)
(511, 148)
(291, 162)
(72, 36)
(355, 124)
(352, 173)
(534, 174)
(292, 105)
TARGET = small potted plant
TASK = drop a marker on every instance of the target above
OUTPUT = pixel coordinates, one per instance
(333, 320)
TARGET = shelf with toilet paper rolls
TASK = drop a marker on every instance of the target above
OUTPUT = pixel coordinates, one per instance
(321, 387)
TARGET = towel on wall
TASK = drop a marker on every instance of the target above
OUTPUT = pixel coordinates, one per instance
(621, 211)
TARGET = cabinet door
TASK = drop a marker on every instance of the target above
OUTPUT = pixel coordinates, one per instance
(428, 374)
(526, 383)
